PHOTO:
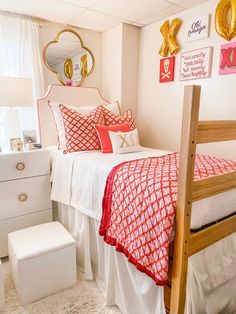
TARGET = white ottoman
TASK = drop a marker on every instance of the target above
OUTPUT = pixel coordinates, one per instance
(2, 295)
(43, 260)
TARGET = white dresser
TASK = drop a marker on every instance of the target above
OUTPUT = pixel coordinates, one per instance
(24, 192)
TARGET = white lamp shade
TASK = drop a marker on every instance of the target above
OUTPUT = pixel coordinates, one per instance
(15, 91)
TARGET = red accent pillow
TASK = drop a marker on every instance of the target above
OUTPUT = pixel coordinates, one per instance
(79, 129)
(103, 134)
(114, 119)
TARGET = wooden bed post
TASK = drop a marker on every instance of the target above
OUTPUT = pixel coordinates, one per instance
(184, 198)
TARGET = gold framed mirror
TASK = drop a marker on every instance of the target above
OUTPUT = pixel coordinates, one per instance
(68, 58)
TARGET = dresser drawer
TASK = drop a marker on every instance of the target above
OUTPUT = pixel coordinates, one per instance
(24, 196)
(19, 165)
(21, 222)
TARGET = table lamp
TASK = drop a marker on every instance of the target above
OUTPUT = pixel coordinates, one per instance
(15, 92)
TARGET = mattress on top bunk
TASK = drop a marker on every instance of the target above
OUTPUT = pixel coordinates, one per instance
(79, 180)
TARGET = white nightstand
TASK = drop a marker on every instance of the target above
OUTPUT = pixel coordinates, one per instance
(24, 192)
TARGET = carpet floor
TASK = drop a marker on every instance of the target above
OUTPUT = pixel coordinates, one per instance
(81, 299)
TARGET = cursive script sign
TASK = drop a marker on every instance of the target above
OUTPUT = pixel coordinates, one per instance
(195, 64)
(197, 28)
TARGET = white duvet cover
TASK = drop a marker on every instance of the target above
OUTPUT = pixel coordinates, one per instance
(79, 180)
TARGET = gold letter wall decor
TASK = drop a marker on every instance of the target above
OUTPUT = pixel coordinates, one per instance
(169, 32)
(223, 28)
(84, 65)
(68, 68)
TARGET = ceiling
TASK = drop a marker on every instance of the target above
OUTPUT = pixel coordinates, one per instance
(99, 15)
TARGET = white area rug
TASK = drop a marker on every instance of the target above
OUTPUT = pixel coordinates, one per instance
(84, 298)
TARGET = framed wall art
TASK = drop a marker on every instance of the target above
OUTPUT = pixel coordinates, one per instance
(227, 59)
(167, 70)
(197, 28)
(195, 64)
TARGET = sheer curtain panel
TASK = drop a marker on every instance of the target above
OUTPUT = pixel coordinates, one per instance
(20, 56)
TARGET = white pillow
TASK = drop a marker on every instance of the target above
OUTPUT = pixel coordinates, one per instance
(125, 142)
(85, 110)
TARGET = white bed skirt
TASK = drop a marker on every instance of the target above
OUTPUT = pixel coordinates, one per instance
(134, 292)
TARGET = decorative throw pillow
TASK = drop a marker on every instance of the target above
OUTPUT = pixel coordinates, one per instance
(103, 134)
(79, 130)
(85, 110)
(114, 119)
(125, 142)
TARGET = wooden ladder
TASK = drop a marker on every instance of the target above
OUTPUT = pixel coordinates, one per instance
(186, 243)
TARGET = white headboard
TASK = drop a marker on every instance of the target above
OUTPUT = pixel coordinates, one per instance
(67, 95)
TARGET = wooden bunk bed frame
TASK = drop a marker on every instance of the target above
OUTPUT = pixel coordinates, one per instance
(187, 243)
(193, 132)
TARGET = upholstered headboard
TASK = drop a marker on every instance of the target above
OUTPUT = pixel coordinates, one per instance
(74, 96)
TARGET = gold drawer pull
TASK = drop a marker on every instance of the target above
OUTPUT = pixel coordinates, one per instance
(20, 166)
(22, 197)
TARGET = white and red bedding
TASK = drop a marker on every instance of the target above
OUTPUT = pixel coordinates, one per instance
(139, 208)
(79, 180)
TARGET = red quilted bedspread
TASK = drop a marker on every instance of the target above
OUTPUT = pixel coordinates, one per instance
(139, 208)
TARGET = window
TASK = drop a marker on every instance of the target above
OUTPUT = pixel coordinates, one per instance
(20, 56)
(3, 129)
(27, 122)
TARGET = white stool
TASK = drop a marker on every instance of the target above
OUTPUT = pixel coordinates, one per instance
(2, 295)
(43, 260)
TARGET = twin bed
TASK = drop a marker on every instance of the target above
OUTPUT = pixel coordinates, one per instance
(203, 268)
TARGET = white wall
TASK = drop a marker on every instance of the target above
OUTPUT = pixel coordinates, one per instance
(112, 63)
(120, 65)
(91, 39)
(130, 59)
(160, 105)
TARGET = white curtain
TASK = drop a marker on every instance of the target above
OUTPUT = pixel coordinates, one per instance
(20, 54)
(3, 133)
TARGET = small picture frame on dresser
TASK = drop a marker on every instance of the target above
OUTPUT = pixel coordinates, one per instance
(29, 137)
(12, 140)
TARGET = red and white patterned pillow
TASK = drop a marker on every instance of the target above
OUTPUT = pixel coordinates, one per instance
(114, 119)
(85, 110)
(79, 129)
